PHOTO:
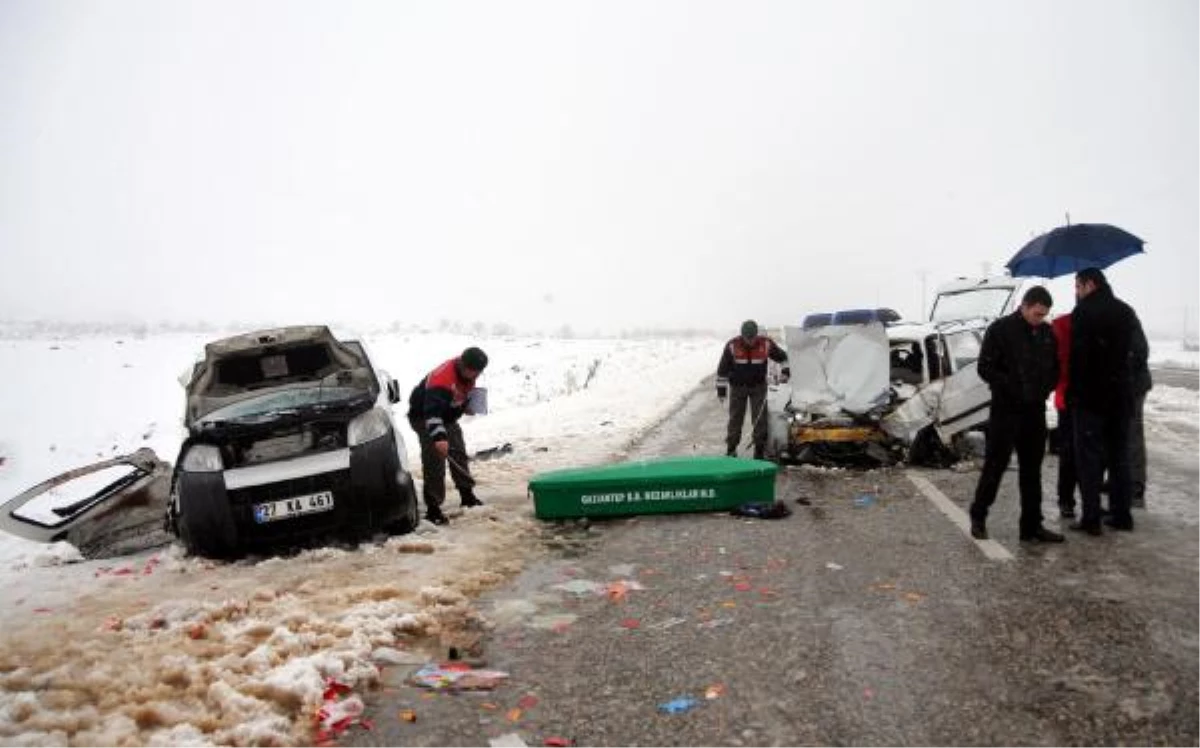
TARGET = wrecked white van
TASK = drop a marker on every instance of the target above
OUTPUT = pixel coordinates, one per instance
(863, 391)
(868, 388)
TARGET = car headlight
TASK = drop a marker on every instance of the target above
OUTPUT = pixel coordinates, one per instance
(368, 427)
(203, 458)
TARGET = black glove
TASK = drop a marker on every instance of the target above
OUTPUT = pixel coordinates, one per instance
(785, 374)
(722, 393)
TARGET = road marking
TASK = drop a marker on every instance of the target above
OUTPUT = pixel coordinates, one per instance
(990, 548)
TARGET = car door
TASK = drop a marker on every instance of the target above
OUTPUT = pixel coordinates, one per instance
(965, 397)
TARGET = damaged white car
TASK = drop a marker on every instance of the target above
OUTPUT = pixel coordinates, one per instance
(867, 388)
(867, 392)
(290, 438)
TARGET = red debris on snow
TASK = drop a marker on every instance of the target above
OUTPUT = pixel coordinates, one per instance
(334, 689)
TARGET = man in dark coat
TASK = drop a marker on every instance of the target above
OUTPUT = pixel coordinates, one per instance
(742, 377)
(434, 407)
(1102, 396)
(1019, 360)
(1142, 382)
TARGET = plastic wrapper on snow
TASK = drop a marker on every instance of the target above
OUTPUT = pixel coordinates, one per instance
(457, 677)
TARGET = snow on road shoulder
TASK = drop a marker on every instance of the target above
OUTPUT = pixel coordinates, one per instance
(1171, 419)
(163, 649)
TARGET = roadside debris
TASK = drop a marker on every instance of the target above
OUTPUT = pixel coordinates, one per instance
(510, 740)
(454, 676)
(669, 623)
(775, 510)
(678, 705)
(864, 500)
(492, 453)
(338, 714)
(580, 587)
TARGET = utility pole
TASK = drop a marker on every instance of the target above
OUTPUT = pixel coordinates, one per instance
(924, 274)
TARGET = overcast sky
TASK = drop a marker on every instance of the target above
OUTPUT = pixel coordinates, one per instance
(600, 165)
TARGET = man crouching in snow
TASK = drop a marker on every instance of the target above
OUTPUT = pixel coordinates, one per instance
(434, 408)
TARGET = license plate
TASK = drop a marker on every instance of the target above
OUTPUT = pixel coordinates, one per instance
(272, 511)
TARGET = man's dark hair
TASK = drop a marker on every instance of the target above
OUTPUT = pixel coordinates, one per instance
(1093, 275)
(1037, 295)
(474, 358)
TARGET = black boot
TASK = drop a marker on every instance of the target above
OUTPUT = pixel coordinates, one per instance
(978, 529)
(1042, 535)
(434, 515)
(469, 499)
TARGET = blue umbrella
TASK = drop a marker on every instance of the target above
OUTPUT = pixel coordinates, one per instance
(1068, 249)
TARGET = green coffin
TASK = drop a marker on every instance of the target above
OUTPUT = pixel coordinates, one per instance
(668, 484)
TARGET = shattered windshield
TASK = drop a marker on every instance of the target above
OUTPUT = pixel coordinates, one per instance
(977, 302)
(282, 401)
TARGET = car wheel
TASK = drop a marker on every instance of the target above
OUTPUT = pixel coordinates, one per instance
(205, 520)
(411, 515)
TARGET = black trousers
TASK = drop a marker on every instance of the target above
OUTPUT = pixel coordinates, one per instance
(754, 396)
(1022, 430)
(1102, 441)
(433, 467)
(1137, 452)
(1067, 478)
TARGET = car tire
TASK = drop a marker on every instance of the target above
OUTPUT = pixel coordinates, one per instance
(411, 516)
(205, 520)
(928, 450)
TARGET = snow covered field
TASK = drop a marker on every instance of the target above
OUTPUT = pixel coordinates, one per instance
(1172, 353)
(161, 649)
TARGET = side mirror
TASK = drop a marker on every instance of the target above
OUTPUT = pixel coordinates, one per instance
(393, 391)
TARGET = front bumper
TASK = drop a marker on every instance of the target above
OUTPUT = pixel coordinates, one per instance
(364, 482)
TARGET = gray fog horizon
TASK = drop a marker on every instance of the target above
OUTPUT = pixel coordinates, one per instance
(585, 165)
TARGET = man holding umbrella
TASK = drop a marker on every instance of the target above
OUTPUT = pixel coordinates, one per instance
(1102, 394)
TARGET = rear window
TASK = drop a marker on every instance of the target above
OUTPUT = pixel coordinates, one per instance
(265, 368)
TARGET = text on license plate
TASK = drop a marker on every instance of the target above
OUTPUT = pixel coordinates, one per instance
(293, 507)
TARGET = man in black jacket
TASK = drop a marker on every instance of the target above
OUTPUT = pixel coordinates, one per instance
(1102, 395)
(1142, 382)
(743, 366)
(1019, 360)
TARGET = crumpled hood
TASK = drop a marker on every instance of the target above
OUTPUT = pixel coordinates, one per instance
(838, 368)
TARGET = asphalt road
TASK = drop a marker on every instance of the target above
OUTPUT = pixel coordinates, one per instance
(852, 622)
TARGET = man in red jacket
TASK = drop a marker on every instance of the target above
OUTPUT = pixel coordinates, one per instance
(1067, 480)
(742, 377)
(434, 408)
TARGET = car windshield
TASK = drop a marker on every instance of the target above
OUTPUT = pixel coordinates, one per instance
(977, 302)
(276, 401)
